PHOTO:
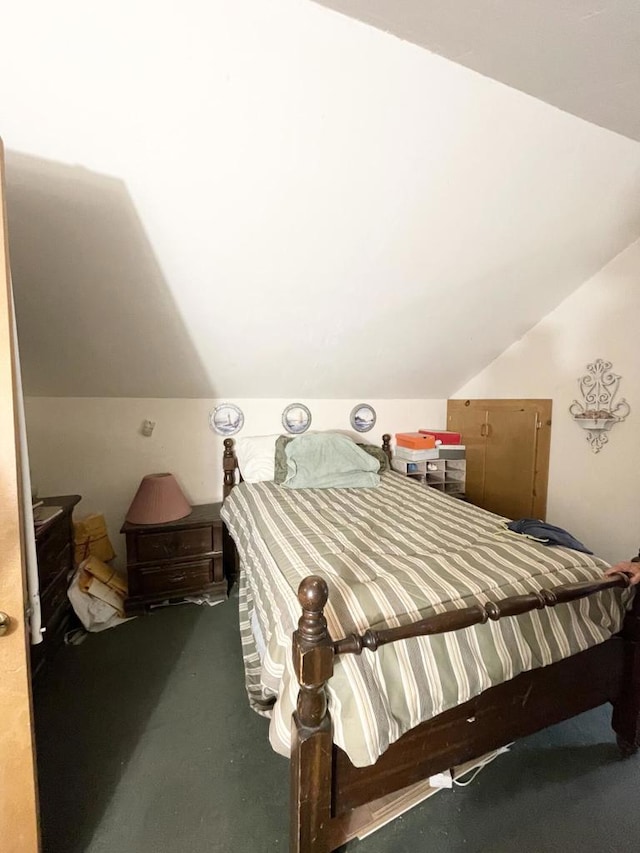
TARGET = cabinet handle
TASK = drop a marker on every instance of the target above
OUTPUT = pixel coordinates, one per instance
(483, 431)
(177, 578)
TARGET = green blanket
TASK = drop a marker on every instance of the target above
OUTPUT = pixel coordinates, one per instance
(329, 461)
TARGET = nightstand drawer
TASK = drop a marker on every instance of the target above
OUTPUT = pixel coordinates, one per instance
(178, 543)
(178, 578)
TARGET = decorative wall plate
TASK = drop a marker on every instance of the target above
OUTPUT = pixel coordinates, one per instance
(226, 419)
(296, 418)
(363, 417)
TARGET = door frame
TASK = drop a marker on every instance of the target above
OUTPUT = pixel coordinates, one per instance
(19, 828)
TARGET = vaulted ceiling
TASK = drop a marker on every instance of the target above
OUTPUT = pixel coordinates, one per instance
(582, 56)
(227, 198)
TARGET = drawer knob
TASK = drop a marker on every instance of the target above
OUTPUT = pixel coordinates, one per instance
(5, 623)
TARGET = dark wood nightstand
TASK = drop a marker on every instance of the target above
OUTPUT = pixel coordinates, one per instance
(176, 559)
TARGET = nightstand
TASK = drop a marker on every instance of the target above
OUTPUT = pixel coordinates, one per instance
(176, 559)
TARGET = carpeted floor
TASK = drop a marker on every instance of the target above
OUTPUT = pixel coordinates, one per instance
(146, 744)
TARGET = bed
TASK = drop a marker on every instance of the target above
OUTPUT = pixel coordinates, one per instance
(472, 652)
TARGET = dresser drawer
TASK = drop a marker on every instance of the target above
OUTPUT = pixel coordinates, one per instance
(51, 545)
(54, 602)
(178, 543)
(54, 563)
(176, 579)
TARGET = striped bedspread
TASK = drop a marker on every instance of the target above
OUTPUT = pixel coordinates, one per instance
(390, 555)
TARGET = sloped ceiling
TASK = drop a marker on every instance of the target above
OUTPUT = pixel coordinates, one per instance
(580, 55)
(235, 198)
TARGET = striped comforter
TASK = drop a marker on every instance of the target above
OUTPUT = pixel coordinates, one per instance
(393, 554)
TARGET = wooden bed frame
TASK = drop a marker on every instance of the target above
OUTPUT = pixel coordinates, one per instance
(326, 788)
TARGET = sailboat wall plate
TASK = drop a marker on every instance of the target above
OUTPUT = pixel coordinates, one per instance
(363, 417)
(226, 419)
(296, 418)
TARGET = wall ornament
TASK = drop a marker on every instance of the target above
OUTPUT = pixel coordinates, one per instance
(599, 409)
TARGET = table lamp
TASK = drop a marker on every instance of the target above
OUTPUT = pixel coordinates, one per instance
(159, 499)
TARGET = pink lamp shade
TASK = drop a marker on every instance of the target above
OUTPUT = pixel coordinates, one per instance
(159, 499)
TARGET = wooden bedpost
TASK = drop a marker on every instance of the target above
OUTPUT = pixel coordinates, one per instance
(626, 711)
(230, 557)
(229, 465)
(311, 749)
(386, 445)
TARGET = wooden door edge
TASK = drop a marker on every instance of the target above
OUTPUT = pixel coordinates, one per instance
(19, 817)
(543, 455)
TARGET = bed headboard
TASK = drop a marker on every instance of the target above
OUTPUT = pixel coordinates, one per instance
(230, 463)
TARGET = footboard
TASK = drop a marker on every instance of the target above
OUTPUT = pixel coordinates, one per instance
(324, 784)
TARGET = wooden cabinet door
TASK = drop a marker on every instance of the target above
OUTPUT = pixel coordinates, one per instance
(510, 461)
(471, 422)
(507, 445)
(18, 801)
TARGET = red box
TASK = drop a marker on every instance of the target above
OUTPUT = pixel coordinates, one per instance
(442, 436)
(415, 440)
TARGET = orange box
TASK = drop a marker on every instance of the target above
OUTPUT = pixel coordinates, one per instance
(415, 440)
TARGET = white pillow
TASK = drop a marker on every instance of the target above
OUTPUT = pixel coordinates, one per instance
(256, 457)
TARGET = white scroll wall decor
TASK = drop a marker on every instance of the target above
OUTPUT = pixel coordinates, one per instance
(599, 409)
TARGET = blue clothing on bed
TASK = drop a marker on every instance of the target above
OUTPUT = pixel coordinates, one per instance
(547, 533)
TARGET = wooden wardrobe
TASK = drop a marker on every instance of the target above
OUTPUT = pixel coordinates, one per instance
(507, 448)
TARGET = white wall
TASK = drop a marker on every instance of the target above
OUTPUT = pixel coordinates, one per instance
(362, 206)
(595, 496)
(94, 447)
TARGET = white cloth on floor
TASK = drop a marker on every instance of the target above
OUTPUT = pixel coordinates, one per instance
(94, 613)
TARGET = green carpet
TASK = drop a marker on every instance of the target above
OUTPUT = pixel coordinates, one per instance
(146, 744)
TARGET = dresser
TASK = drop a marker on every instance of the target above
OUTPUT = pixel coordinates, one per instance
(55, 552)
(171, 561)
